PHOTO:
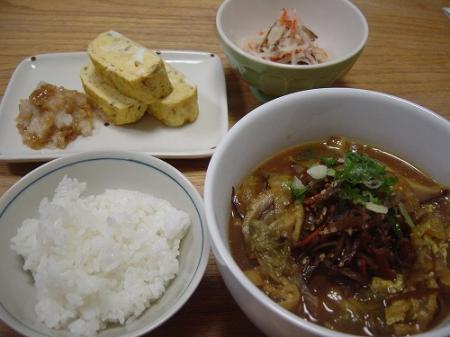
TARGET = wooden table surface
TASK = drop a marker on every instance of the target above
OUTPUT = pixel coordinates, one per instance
(408, 55)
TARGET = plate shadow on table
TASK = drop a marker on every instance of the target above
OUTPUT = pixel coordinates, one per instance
(189, 165)
(201, 164)
(21, 169)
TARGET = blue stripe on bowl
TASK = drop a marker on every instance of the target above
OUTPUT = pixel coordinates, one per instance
(97, 159)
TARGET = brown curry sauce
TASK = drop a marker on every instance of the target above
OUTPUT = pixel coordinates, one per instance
(345, 305)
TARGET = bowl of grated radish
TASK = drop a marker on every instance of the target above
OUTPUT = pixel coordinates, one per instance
(280, 47)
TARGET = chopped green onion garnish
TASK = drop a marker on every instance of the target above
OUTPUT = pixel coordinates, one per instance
(376, 208)
(405, 214)
(329, 161)
(331, 172)
(318, 171)
(298, 192)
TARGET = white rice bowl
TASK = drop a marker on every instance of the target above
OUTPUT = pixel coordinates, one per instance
(74, 301)
(101, 258)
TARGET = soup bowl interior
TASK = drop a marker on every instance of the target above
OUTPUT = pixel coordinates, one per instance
(402, 128)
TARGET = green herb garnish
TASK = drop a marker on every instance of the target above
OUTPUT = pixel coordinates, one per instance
(360, 169)
(329, 161)
(364, 179)
(298, 192)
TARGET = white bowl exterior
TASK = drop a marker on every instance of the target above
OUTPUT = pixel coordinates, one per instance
(390, 123)
(102, 170)
(340, 26)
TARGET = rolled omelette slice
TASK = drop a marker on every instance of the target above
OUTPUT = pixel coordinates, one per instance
(180, 106)
(116, 107)
(133, 69)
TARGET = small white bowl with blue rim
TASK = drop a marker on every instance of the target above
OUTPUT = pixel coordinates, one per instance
(100, 170)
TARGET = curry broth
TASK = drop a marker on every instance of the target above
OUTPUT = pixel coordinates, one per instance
(341, 300)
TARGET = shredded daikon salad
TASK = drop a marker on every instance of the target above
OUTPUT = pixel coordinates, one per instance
(286, 41)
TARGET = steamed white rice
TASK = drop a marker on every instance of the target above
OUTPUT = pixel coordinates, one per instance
(100, 258)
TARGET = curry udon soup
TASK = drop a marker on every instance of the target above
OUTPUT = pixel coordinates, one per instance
(347, 236)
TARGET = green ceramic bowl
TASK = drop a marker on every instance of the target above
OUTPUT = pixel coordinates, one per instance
(340, 25)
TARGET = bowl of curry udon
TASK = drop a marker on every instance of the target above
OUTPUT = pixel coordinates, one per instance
(329, 215)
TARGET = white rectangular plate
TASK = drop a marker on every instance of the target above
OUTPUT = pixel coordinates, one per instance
(194, 140)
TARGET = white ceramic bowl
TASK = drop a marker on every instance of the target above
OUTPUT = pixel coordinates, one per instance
(340, 25)
(100, 170)
(390, 123)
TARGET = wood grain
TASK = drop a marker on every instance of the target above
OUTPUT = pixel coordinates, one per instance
(408, 55)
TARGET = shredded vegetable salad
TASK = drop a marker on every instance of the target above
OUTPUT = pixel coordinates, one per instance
(286, 41)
